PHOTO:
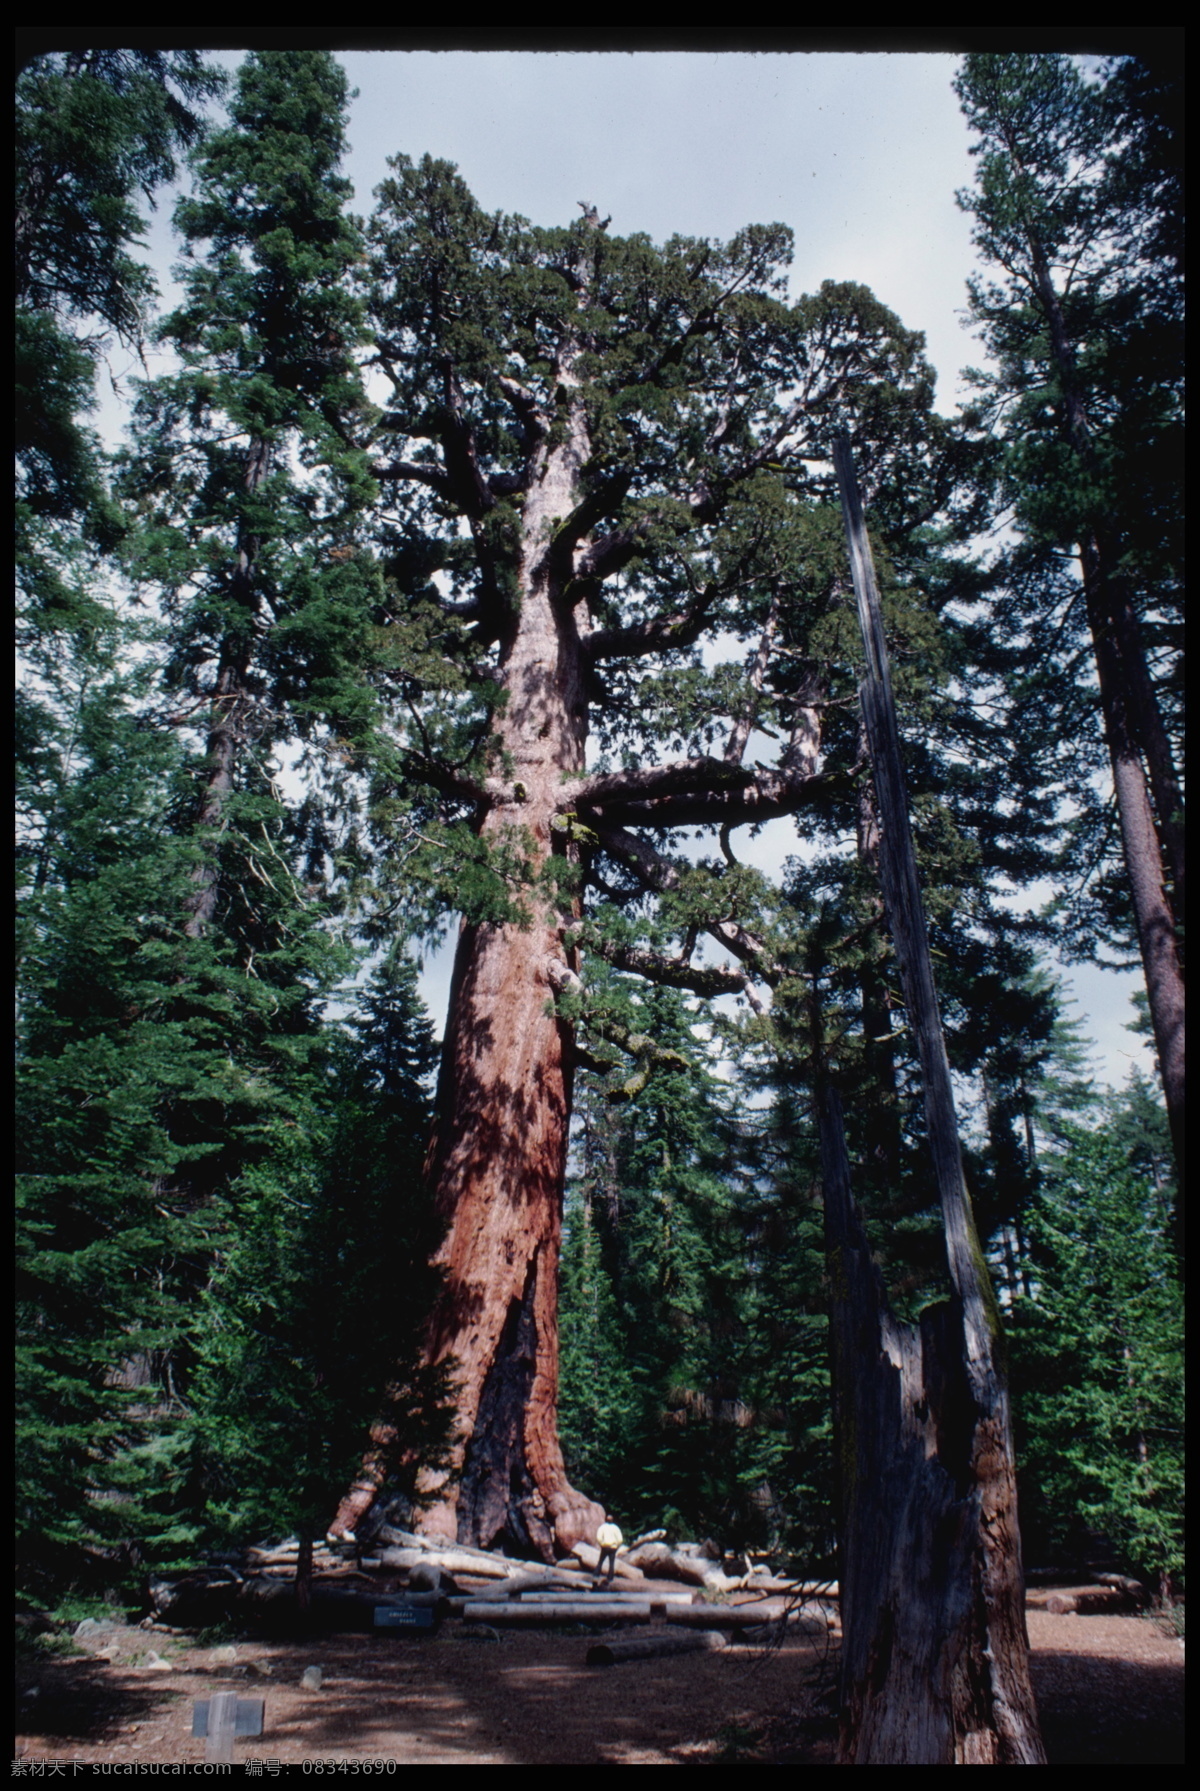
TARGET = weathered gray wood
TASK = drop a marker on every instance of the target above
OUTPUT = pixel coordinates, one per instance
(454, 1560)
(745, 1616)
(935, 1655)
(630, 1610)
(222, 1723)
(906, 921)
(548, 1579)
(622, 1594)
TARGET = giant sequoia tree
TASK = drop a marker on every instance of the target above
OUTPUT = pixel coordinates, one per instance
(598, 450)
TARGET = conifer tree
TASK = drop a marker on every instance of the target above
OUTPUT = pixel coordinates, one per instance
(1085, 328)
(96, 130)
(247, 483)
(259, 576)
(311, 1317)
(102, 1062)
(1098, 1353)
(99, 1061)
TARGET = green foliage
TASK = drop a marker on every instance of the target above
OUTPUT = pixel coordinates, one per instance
(246, 483)
(94, 129)
(103, 1060)
(1098, 1355)
(223, 1220)
(173, 1075)
(694, 1387)
(309, 1328)
(1076, 208)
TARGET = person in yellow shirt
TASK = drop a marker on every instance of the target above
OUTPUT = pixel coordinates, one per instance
(608, 1540)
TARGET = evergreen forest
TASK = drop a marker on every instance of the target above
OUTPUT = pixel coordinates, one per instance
(285, 725)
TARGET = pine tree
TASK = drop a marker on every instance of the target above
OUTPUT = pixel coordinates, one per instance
(95, 129)
(247, 482)
(1098, 1354)
(311, 1318)
(102, 1062)
(1086, 402)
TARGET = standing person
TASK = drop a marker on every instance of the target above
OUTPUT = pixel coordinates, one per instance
(609, 1540)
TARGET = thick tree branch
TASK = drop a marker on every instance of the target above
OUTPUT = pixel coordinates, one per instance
(658, 780)
(682, 628)
(692, 792)
(535, 424)
(470, 488)
(767, 794)
(594, 564)
(450, 782)
(674, 973)
(657, 873)
(641, 1046)
(433, 476)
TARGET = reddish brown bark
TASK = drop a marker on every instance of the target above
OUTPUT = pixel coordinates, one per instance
(1140, 838)
(499, 1152)
(1145, 781)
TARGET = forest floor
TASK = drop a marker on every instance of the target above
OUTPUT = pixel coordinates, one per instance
(1110, 1688)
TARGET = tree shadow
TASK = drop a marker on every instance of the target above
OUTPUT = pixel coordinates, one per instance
(1108, 1711)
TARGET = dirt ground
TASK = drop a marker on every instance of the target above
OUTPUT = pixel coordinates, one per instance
(1110, 1689)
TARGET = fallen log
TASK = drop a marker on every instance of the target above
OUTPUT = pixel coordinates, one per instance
(452, 1558)
(428, 1545)
(1121, 1582)
(622, 1648)
(810, 1619)
(547, 1579)
(195, 1600)
(623, 1595)
(1088, 1602)
(579, 1610)
(691, 1567)
(286, 1554)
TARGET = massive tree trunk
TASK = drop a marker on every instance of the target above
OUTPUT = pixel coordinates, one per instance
(498, 1156)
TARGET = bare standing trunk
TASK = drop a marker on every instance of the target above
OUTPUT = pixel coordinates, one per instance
(935, 1655)
(881, 1121)
(934, 1667)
